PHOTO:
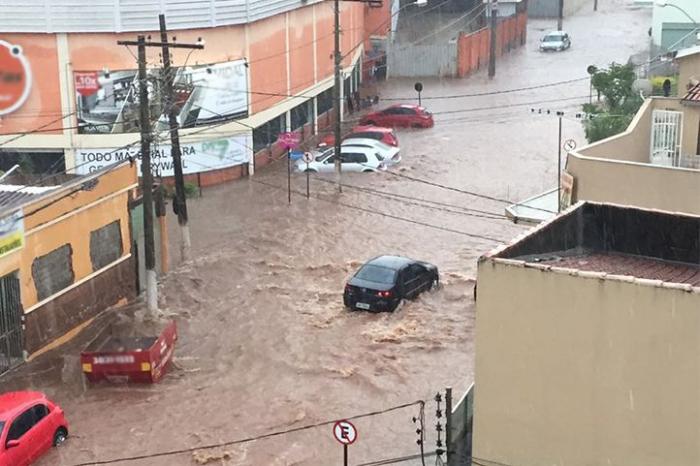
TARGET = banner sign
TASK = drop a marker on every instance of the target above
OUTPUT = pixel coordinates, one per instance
(197, 157)
(15, 78)
(107, 101)
(11, 233)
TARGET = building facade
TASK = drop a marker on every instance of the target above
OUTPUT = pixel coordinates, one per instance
(586, 342)
(65, 256)
(265, 68)
(671, 28)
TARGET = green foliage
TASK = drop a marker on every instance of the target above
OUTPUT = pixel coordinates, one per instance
(191, 189)
(619, 106)
(615, 84)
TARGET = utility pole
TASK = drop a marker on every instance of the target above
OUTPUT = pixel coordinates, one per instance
(147, 180)
(180, 201)
(337, 60)
(595, 5)
(492, 44)
(560, 16)
(559, 114)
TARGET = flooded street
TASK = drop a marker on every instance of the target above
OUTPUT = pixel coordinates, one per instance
(265, 342)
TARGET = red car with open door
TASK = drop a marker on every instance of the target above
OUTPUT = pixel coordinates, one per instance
(30, 425)
(401, 115)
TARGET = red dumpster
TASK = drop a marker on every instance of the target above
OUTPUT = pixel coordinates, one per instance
(119, 356)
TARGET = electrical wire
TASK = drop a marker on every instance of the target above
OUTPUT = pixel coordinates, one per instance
(249, 439)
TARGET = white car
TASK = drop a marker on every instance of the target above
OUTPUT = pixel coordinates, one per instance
(354, 159)
(555, 40)
(389, 153)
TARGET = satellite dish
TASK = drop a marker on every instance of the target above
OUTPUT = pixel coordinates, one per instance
(642, 85)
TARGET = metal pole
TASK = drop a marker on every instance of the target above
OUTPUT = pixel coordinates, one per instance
(560, 16)
(590, 90)
(147, 180)
(336, 92)
(176, 153)
(559, 170)
(492, 45)
(595, 5)
(308, 175)
(289, 175)
(448, 425)
(419, 102)
(345, 454)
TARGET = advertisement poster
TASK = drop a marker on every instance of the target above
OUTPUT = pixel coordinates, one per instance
(11, 233)
(196, 157)
(108, 101)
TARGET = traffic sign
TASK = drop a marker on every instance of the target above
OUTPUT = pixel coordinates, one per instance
(308, 157)
(289, 140)
(344, 432)
(570, 145)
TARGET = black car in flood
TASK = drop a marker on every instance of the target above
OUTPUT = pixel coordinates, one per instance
(383, 282)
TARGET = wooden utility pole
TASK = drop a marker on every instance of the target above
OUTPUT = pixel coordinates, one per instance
(492, 44)
(337, 63)
(180, 201)
(147, 181)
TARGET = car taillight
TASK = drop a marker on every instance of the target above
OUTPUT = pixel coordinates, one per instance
(348, 289)
(384, 294)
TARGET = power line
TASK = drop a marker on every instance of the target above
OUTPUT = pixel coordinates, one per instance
(251, 439)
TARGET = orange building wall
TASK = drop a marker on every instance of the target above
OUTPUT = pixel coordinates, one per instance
(378, 20)
(74, 229)
(301, 49)
(44, 103)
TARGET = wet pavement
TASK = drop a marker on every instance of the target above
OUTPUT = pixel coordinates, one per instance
(265, 342)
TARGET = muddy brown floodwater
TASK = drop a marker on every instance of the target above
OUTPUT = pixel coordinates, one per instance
(265, 341)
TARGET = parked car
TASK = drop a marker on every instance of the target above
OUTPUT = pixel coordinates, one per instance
(30, 424)
(400, 115)
(555, 40)
(389, 154)
(354, 159)
(386, 135)
(382, 283)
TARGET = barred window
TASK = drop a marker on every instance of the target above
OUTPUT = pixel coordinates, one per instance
(53, 272)
(105, 245)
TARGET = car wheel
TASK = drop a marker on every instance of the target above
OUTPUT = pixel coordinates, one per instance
(60, 436)
(310, 170)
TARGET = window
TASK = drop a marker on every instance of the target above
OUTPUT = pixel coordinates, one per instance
(40, 412)
(21, 425)
(377, 274)
(392, 111)
(105, 245)
(407, 111)
(367, 135)
(379, 156)
(301, 115)
(325, 101)
(354, 157)
(266, 134)
(53, 272)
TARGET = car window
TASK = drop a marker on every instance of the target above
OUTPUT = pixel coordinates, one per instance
(21, 425)
(40, 412)
(354, 157)
(408, 111)
(367, 135)
(377, 274)
(379, 157)
(552, 38)
(330, 159)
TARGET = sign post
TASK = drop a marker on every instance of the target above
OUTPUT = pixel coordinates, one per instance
(419, 88)
(345, 433)
(308, 158)
(289, 141)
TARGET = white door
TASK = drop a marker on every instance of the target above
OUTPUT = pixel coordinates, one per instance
(666, 129)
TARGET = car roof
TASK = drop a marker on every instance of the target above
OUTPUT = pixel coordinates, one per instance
(391, 262)
(364, 141)
(12, 402)
(371, 129)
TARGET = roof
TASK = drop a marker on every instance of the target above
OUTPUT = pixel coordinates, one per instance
(11, 402)
(688, 51)
(12, 195)
(693, 95)
(611, 240)
(392, 262)
(624, 264)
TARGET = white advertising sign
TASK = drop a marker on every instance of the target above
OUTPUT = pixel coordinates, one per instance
(197, 157)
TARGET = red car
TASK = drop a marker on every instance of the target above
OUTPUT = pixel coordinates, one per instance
(30, 424)
(409, 116)
(379, 133)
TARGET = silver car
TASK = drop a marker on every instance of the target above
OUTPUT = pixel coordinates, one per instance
(555, 41)
(390, 154)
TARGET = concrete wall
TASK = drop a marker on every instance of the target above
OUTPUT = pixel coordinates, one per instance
(637, 184)
(550, 8)
(688, 68)
(584, 371)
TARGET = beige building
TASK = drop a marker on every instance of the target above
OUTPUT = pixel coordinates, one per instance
(587, 342)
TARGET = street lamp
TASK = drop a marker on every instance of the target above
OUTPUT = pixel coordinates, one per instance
(664, 4)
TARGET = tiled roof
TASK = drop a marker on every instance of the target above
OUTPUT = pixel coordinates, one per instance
(693, 95)
(623, 264)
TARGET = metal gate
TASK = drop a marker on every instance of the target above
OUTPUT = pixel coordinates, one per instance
(11, 341)
(666, 129)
